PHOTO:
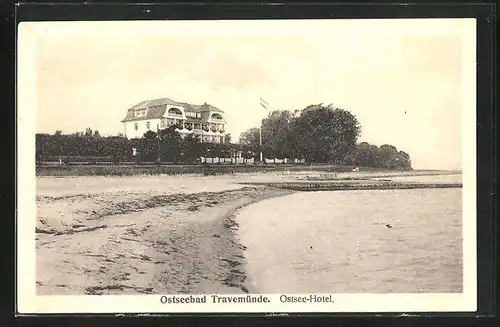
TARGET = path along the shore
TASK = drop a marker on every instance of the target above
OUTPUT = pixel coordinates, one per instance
(179, 243)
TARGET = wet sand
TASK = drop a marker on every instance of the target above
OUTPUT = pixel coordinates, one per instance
(105, 243)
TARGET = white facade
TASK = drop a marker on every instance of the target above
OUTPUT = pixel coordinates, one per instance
(208, 126)
(136, 129)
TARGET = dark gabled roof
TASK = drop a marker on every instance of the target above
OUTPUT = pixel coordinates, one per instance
(156, 108)
(200, 108)
(155, 102)
(209, 107)
(152, 113)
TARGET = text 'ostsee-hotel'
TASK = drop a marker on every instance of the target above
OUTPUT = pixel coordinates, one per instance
(204, 121)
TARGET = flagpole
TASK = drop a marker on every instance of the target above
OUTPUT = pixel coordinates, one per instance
(158, 142)
(260, 141)
(264, 105)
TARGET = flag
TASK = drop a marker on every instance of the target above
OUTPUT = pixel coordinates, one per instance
(264, 103)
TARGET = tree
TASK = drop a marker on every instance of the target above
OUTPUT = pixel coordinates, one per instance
(276, 134)
(170, 144)
(190, 148)
(385, 156)
(388, 156)
(250, 137)
(325, 134)
(250, 143)
(150, 135)
(366, 155)
(148, 147)
(404, 160)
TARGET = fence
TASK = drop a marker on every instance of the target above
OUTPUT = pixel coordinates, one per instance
(82, 160)
(249, 161)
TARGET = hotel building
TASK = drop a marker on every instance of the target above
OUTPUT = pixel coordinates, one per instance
(204, 121)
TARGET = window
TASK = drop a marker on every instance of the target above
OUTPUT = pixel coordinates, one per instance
(193, 114)
(175, 111)
(140, 113)
(148, 125)
(162, 123)
(136, 126)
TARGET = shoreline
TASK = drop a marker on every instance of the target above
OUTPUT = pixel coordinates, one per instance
(148, 235)
(176, 244)
(232, 225)
(215, 169)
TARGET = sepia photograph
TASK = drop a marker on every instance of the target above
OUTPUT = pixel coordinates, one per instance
(246, 166)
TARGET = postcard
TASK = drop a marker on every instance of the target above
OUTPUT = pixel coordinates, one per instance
(246, 166)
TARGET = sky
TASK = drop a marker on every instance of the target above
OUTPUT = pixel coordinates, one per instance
(402, 79)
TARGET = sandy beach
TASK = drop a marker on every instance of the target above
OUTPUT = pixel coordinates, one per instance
(112, 243)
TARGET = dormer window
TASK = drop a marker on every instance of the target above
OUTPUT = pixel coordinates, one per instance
(140, 113)
(193, 114)
(175, 112)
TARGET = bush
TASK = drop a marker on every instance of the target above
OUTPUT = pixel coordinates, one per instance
(116, 149)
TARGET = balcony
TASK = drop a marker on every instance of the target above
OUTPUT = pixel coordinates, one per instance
(175, 115)
(216, 117)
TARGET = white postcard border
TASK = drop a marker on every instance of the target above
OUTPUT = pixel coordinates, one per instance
(29, 302)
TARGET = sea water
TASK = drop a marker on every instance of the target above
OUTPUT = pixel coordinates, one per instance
(383, 241)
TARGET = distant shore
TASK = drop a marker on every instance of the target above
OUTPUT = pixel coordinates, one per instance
(214, 169)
